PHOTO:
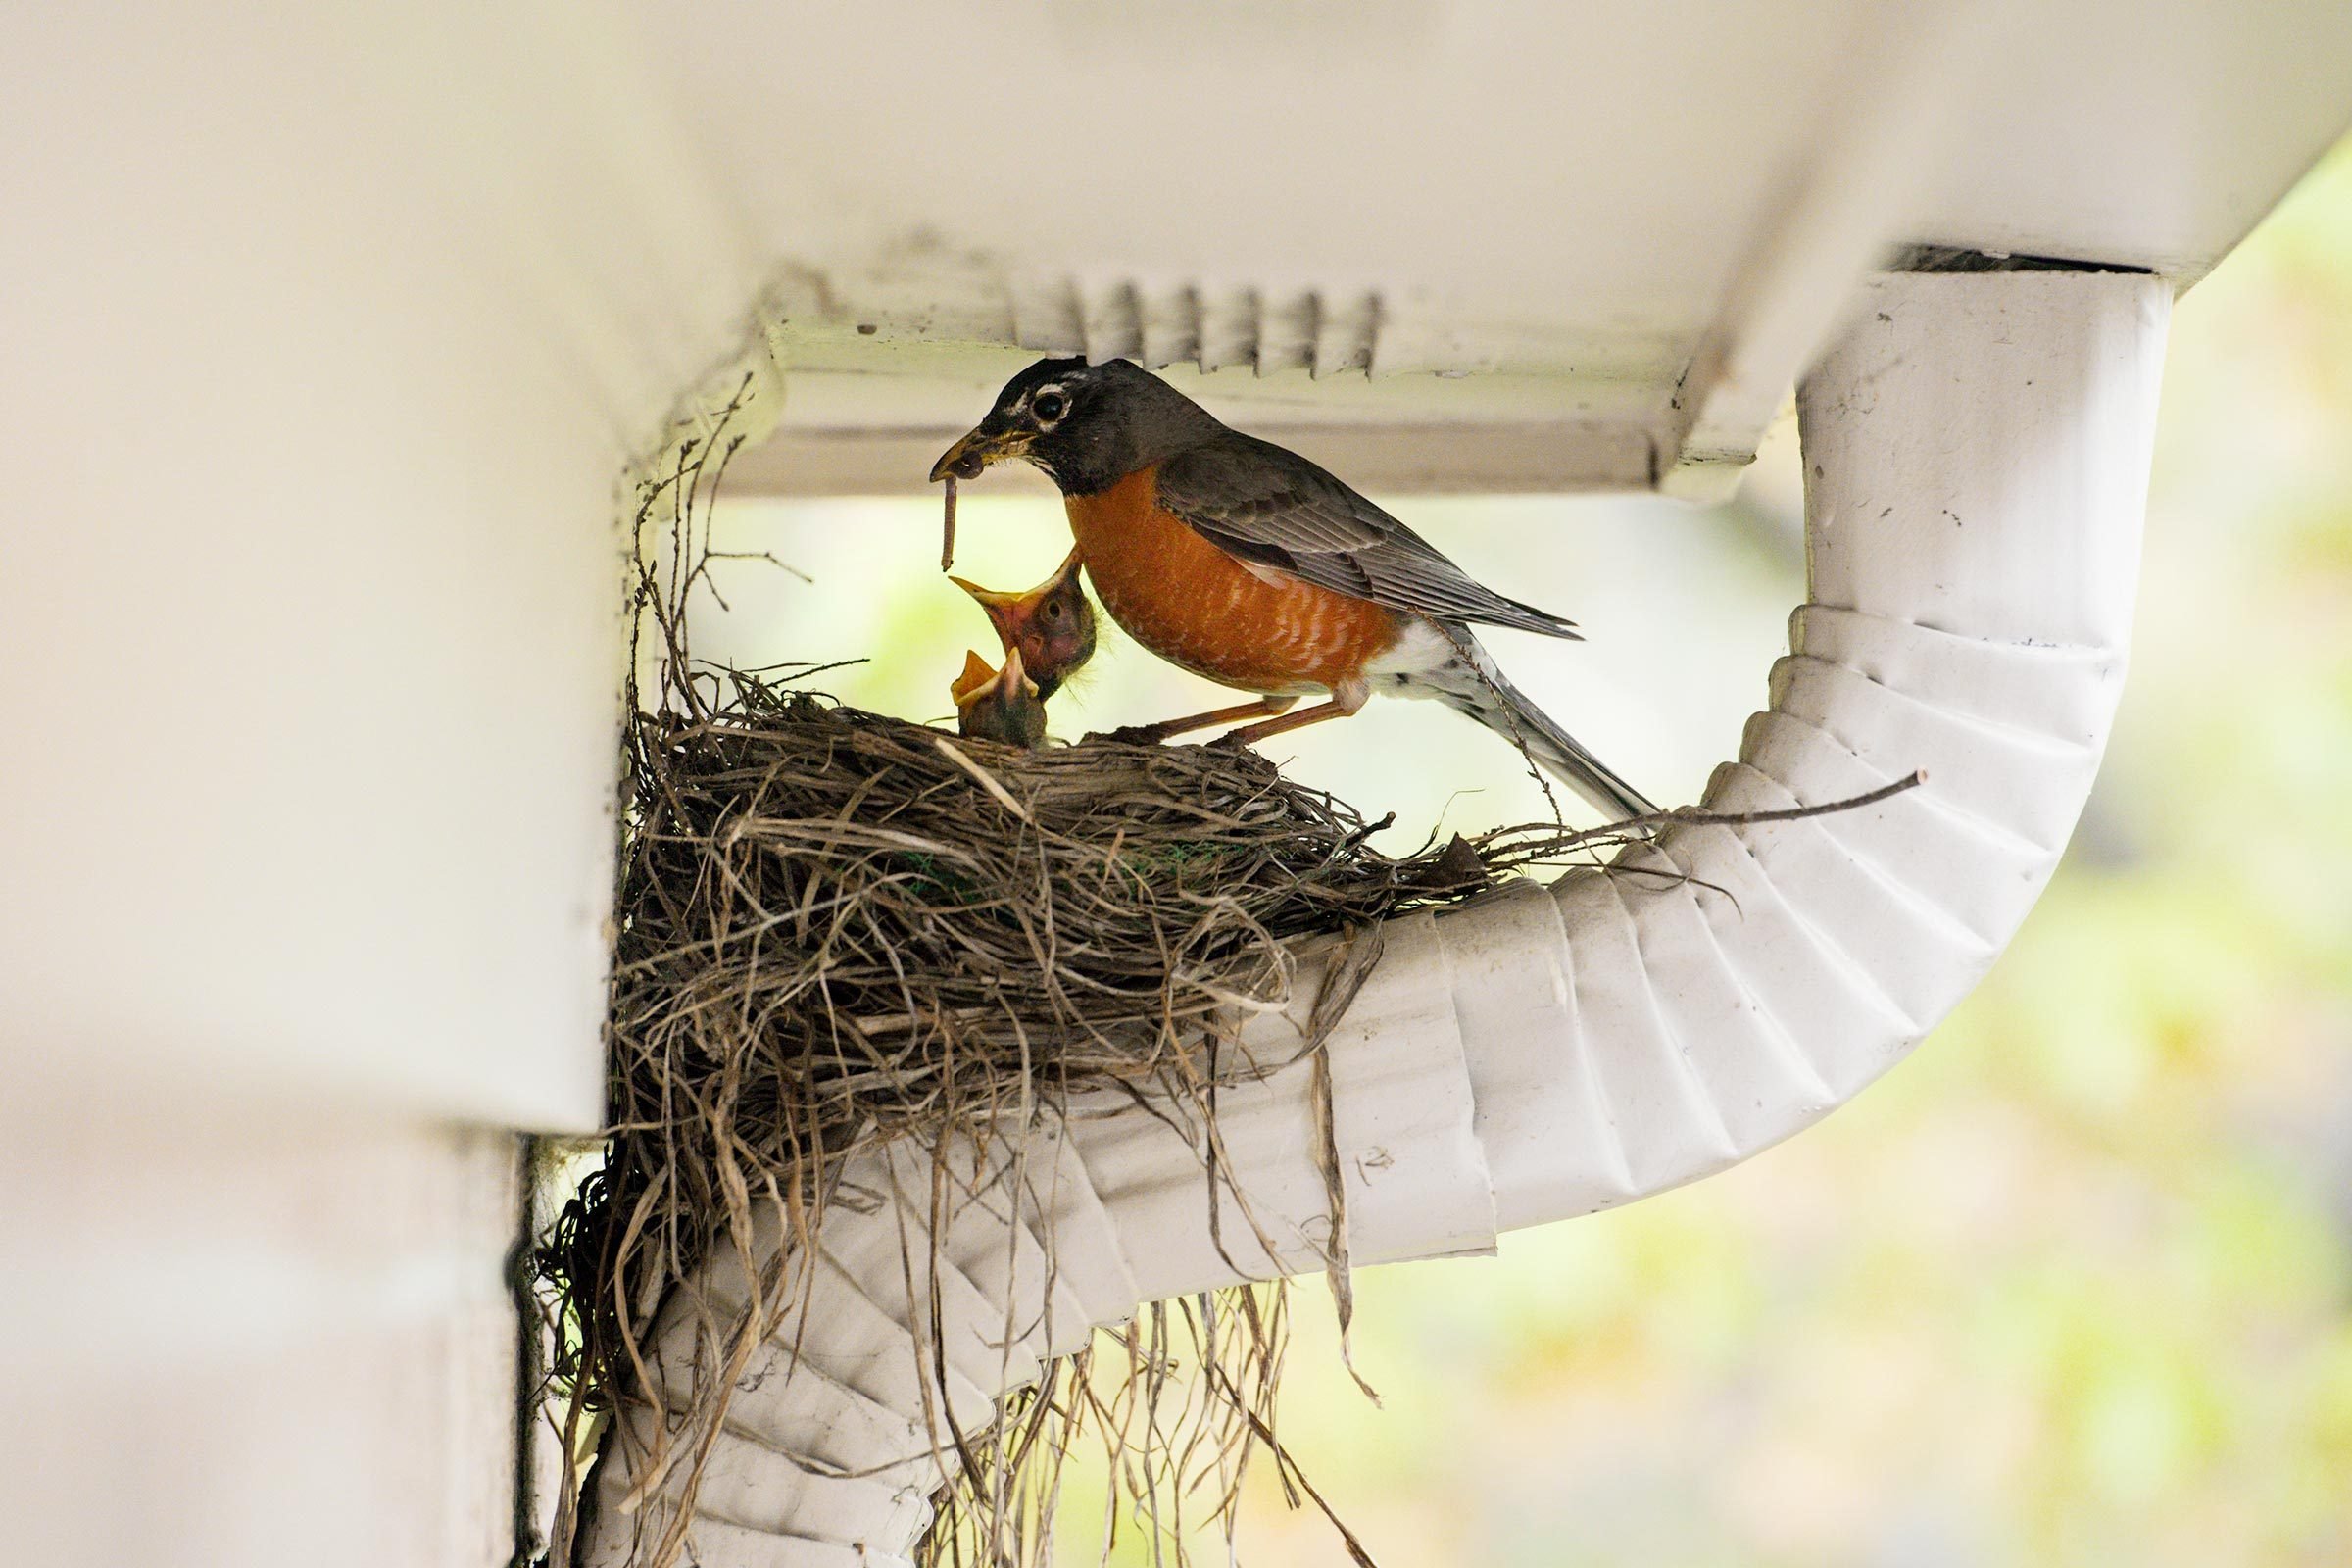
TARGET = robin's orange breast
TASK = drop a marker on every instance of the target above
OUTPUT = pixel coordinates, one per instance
(1197, 607)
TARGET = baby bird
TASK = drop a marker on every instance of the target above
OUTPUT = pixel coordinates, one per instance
(1052, 625)
(1001, 706)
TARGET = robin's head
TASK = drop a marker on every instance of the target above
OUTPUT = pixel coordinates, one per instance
(1052, 625)
(999, 704)
(1088, 427)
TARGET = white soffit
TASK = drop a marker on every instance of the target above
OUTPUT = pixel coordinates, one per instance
(1603, 238)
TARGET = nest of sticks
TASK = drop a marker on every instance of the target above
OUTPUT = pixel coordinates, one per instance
(836, 928)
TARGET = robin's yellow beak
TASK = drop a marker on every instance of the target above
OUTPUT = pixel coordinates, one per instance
(979, 447)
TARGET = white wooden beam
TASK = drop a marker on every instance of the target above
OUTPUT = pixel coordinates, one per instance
(1384, 459)
(313, 635)
(1873, 148)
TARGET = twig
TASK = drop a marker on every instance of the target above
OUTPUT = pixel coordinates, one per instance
(1794, 813)
(986, 780)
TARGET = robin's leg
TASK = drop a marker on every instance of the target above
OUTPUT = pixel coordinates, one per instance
(1346, 699)
(1151, 734)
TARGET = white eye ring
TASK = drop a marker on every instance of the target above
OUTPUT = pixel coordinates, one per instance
(1060, 404)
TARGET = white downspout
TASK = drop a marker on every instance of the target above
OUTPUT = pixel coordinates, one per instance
(1976, 450)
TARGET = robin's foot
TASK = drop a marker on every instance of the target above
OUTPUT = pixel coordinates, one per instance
(1130, 735)
(1349, 699)
(1153, 734)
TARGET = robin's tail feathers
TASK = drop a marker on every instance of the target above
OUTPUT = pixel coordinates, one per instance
(1475, 686)
(1520, 617)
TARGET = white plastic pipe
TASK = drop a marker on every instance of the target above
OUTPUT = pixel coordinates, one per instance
(1977, 449)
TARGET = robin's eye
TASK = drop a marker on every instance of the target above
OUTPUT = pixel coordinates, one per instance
(1048, 406)
(1053, 612)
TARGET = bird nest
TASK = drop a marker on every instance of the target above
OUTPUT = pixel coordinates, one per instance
(835, 929)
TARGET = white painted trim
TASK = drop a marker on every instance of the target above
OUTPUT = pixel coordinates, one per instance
(1873, 149)
(1384, 459)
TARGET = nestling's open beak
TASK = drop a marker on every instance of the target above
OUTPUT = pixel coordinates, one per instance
(979, 447)
(1000, 607)
(1013, 681)
(976, 679)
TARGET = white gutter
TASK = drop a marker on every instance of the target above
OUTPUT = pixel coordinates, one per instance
(1976, 449)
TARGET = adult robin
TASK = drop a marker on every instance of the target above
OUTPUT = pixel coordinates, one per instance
(999, 704)
(1052, 625)
(1247, 563)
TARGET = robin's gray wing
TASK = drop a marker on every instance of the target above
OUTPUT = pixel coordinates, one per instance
(1272, 508)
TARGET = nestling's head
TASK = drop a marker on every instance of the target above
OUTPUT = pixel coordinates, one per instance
(1052, 625)
(1088, 427)
(999, 704)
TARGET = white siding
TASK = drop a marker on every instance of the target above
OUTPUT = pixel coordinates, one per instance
(256, 1342)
